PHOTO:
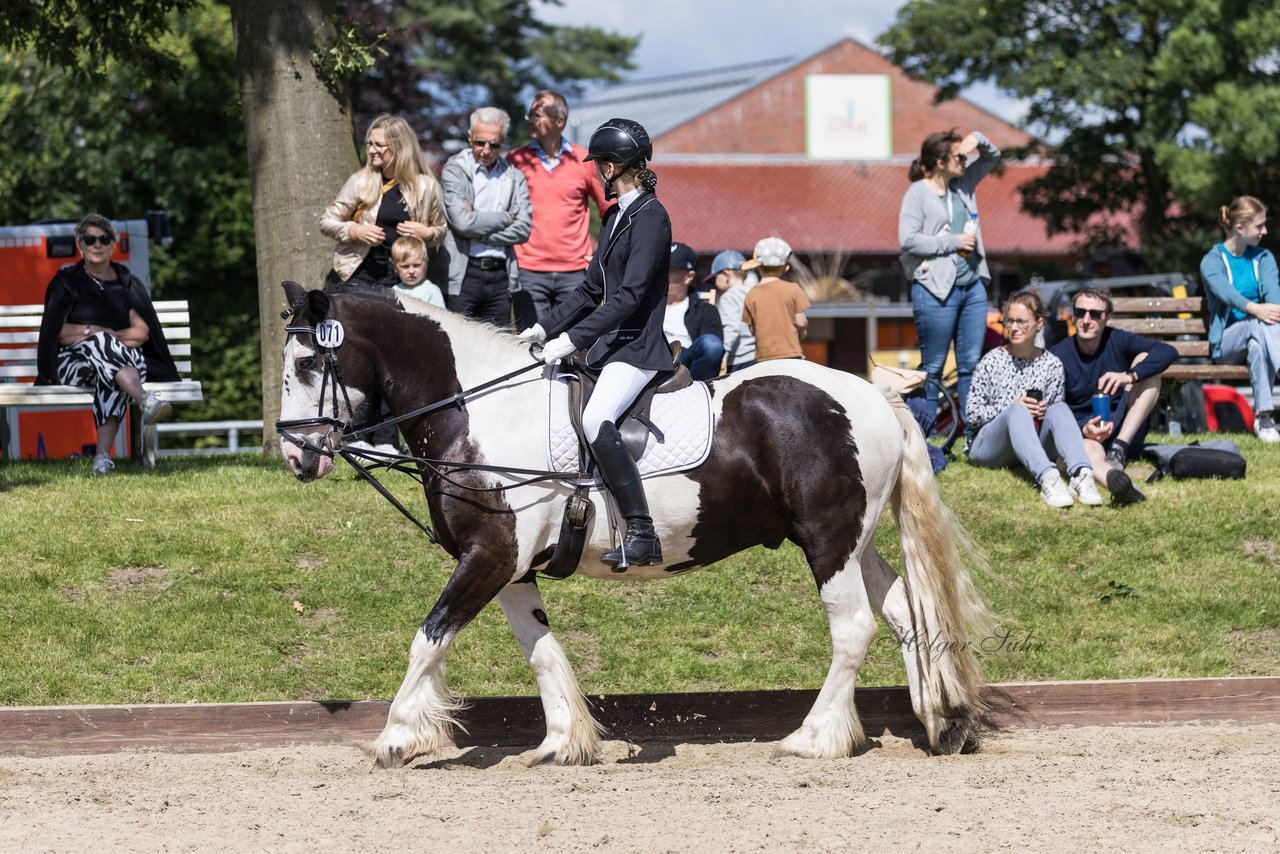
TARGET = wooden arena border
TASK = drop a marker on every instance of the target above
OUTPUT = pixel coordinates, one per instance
(508, 722)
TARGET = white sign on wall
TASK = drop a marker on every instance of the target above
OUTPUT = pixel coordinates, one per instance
(848, 117)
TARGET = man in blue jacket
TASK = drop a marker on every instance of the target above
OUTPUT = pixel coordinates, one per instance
(1122, 365)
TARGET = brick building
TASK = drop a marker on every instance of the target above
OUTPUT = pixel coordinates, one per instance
(816, 151)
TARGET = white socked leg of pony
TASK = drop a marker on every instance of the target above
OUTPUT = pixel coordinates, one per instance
(831, 729)
(421, 720)
(573, 736)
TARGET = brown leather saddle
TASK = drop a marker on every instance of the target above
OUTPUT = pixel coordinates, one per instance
(635, 427)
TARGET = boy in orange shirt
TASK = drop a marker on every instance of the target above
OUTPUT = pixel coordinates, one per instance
(775, 308)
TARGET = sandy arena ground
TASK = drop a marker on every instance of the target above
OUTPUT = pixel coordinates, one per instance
(1210, 788)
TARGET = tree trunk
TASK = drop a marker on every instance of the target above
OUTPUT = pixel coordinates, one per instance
(301, 147)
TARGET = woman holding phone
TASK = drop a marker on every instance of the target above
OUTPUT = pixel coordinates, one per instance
(1016, 412)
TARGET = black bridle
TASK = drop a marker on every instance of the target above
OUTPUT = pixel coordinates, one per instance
(362, 461)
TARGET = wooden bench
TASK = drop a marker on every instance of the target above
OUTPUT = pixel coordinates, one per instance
(1177, 321)
(19, 335)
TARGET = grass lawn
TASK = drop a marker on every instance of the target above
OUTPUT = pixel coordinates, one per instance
(224, 579)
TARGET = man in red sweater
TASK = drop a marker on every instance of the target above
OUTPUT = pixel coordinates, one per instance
(561, 183)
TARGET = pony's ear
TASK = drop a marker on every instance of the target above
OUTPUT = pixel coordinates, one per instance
(292, 292)
(318, 304)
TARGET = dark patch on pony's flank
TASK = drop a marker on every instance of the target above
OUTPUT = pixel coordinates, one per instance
(782, 465)
(541, 616)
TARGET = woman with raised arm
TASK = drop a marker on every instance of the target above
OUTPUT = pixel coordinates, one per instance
(943, 254)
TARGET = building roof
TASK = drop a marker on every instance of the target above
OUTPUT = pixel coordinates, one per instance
(663, 103)
(831, 207)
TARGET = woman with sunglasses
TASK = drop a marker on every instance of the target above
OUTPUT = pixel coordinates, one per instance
(392, 196)
(100, 331)
(944, 256)
(1244, 305)
(1016, 412)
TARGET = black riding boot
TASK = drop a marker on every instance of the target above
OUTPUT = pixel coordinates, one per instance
(623, 479)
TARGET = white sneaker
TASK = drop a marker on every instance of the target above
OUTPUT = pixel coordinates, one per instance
(358, 445)
(1084, 489)
(1265, 429)
(385, 448)
(1054, 491)
(155, 408)
(103, 464)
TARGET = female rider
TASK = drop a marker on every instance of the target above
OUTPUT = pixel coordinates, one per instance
(616, 316)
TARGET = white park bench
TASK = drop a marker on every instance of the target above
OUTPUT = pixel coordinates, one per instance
(19, 334)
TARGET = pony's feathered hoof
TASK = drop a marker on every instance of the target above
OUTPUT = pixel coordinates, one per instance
(545, 754)
(807, 745)
(958, 737)
(389, 757)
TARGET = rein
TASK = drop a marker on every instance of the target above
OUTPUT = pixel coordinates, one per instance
(364, 461)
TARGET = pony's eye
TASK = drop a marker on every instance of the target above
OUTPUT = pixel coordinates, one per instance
(306, 363)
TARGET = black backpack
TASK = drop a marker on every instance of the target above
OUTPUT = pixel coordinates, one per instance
(1219, 458)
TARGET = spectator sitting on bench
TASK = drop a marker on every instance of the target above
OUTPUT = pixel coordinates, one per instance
(100, 331)
(1122, 365)
(692, 321)
(1244, 305)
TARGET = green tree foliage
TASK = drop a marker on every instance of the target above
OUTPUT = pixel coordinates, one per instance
(1161, 110)
(135, 105)
(86, 35)
(127, 141)
(444, 58)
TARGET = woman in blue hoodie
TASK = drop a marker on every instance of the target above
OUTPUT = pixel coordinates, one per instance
(1244, 304)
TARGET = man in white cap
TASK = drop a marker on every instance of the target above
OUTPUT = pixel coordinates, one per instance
(775, 308)
(732, 284)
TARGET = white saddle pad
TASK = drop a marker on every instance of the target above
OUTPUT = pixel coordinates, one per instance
(684, 417)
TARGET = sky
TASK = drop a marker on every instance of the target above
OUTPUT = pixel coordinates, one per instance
(694, 35)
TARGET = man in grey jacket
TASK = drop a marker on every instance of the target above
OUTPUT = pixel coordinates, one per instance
(486, 203)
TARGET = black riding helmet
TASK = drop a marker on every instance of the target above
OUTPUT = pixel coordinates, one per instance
(622, 141)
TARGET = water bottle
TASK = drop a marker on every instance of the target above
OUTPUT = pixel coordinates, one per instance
(970, 227)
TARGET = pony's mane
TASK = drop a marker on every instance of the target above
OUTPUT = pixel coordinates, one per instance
(464, 332)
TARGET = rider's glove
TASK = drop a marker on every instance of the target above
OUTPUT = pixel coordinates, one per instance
(554, 351)
(534, 334)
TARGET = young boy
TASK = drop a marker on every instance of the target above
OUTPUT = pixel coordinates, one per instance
(409, 258)
(775, 308)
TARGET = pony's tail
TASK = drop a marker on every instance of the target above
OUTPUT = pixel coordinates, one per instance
(946, 610)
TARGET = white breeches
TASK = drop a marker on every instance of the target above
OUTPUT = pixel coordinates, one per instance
(617, 388)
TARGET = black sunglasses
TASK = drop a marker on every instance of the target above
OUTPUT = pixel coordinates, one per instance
(1095, 313)
(480, 143)
(104, 239)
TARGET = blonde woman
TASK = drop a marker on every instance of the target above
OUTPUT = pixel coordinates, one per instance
(392, 196)
(1244, 304)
